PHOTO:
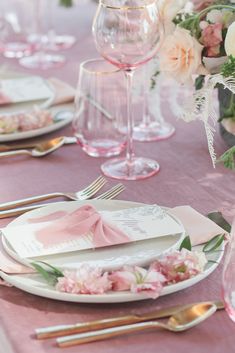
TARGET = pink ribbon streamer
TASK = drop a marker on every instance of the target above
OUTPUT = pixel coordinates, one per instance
(78, 223)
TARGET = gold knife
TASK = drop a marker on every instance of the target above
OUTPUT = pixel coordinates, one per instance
(64, 330)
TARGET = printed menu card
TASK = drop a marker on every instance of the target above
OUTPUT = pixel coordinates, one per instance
(86, 228)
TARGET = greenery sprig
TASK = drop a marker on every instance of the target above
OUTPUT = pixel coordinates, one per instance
(228, 158)
(228, 68)
(48, 272)
(66, 3)
(214, 243)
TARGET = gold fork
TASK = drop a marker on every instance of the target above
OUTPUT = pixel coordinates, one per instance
(83, 194)
(108, 195)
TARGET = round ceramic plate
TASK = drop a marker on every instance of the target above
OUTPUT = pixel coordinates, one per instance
(35, 284)
(110, 257)
(62, 116)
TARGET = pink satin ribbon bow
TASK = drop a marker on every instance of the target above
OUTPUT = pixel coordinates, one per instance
(78, 223)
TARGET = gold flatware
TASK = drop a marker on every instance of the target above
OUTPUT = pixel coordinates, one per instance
(83, 194)
(108, 195)
(12, 147)
(40, 150)
(62, 330)
(180, 321)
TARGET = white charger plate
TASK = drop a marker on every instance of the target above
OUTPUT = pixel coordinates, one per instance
(35, 284)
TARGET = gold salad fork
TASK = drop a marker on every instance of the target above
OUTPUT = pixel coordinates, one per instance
(83, 194)
(107, 195)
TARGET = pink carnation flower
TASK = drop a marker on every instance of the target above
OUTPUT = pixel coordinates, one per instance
(180, 265)
(212, 37)
(85, 280)
(137, 279)
(202, 4)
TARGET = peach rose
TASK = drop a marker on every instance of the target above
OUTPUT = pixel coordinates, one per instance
(168, 10)
(180, 55)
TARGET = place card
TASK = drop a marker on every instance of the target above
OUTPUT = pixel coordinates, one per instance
(56, 232)
(19, 90)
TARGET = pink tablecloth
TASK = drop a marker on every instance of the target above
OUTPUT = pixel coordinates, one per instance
(186, 177)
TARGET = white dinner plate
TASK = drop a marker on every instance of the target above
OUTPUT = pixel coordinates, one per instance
(62, 116)
(110, 257)
(35, 284)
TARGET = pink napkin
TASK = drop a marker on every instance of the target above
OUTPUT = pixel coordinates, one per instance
(82, 221)
(198, 227)
(64, 93)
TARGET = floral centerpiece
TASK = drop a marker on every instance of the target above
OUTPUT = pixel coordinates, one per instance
(199, 46)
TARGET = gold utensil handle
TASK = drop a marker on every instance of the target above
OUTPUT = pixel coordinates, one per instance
(62, 330)
(73, 340)
(5, 147)
(27, 201)
(21, 210)
(14, 153)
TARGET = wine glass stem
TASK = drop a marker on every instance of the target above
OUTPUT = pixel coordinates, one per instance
(146, 116)
(129, 149)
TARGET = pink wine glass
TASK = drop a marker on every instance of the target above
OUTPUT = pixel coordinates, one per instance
(128, 35)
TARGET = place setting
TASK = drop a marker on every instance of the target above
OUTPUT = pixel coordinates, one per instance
(105, 230)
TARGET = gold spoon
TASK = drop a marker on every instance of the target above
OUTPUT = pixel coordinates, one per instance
(40, 150)
(180, 321)
(5, 147)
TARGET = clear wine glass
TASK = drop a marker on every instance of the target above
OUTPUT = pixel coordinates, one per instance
(152, 126)
(57, 41)
(40, 59)
(127, 34)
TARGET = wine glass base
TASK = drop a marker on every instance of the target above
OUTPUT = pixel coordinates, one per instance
(16, 50)
(140, 168)
(61, 42)
(42, 61)
(153, 132)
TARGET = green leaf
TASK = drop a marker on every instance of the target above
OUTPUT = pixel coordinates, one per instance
(214, 243)
(186, 243)
(228, 68)
(55, 270)
(199, 82)
(66, 3)
(218, 218)
(51, 276)
(228, 158)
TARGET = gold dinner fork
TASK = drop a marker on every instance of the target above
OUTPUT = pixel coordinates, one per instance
(83, 194)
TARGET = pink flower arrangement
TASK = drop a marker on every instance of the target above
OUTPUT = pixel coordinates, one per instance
(172, 268)
(199, 47)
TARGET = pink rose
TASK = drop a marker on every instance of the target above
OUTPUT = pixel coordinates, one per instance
(212, 37)
(180, 55)
(202, 4)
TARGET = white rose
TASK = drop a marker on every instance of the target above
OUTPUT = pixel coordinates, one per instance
(229, 43)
